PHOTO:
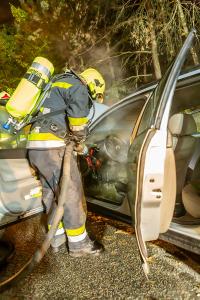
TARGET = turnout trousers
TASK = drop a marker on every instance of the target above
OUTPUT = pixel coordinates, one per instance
(48, 163)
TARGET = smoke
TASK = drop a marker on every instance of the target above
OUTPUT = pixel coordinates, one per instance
(109, 65)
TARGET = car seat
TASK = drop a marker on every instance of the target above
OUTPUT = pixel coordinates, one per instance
(191, 193)
(181, 126)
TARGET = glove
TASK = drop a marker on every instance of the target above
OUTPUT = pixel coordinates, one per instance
(78, 136)
(81, 149)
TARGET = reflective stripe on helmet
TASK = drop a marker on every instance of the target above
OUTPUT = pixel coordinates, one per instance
(63, 85)
(92, 89)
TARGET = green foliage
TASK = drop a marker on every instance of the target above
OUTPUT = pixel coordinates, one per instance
(113, 36)
(20, 45)
(44, 28)
(19, 14)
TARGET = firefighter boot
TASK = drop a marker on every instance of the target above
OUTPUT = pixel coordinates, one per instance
(59, 238)
(84, 247)
(57, 242)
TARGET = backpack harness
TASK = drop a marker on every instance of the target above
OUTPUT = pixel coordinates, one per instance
(45, 119)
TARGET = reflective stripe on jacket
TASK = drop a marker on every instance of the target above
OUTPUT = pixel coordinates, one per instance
(43, 140)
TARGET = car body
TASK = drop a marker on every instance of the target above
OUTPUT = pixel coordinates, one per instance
(144, 147)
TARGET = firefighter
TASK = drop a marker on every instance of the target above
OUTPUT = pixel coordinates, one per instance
(69, 98)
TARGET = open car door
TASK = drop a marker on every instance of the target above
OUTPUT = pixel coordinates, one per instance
(151, 164)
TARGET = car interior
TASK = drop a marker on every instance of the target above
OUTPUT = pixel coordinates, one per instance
(184, 127)
(107, 183)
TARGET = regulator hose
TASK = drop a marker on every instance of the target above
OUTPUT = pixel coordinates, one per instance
(40, 252)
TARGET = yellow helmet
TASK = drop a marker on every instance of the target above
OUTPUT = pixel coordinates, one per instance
(95, 83)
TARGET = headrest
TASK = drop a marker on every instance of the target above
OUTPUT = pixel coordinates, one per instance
(182, 124)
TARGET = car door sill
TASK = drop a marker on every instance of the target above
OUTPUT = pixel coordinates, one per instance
(28, 214)
(184, 236)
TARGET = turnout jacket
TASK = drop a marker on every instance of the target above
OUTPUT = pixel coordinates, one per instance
(69, 96)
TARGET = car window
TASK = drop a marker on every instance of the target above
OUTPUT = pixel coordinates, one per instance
(196, 117)
(107, 179)
(150, 112)
(147, 116)
(120, 121)
(97, 110)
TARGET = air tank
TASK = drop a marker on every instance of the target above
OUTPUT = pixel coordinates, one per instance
(27, 93)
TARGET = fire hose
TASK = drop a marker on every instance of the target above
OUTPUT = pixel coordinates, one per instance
(39, 253)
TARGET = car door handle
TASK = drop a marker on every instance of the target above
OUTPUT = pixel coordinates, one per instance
(157, 193)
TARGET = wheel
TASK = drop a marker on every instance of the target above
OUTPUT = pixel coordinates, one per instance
(6, 252)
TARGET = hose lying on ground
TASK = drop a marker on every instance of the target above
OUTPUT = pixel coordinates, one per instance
(39, 253)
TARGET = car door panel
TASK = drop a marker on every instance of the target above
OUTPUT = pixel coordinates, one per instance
(169, 191)
(152, 184)
(148, 157)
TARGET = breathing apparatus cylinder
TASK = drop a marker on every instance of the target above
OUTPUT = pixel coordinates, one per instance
(27, 93)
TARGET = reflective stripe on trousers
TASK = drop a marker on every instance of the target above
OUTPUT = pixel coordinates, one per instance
(74, 235)
(60, 229)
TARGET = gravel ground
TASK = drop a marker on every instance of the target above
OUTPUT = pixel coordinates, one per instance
(117, 274)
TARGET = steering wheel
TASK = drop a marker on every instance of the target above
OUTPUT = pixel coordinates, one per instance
(115, 148)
